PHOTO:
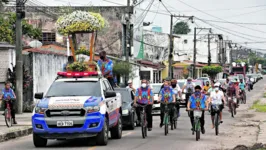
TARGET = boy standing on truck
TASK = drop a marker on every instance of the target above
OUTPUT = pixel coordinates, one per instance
(106, 66)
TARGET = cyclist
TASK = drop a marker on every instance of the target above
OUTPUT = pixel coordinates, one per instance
(217, 97)
(242, 86)
(144, 96)
(177, 92)
(206, 87)
(198, 101)
(8, 93)
(189, 86)
(211, 89)
(166, 95)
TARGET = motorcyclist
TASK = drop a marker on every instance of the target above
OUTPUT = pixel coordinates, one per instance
(178, 92)
(189, 86)
(242, 86)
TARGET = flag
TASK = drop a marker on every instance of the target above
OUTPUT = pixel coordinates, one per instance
(141, 49)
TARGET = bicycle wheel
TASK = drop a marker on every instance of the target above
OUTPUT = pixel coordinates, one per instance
(175, 123)
(232, 109)
(244, 98)
(216, 123)
(143, 126)
(8, 118)
(165, 124)
(197, 128)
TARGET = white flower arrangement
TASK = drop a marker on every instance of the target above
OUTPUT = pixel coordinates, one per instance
(80, 21)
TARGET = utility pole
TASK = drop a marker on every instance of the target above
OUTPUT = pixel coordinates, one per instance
(195, 53)
(195, 49)
(20, 14)
(170, 58)
(209, 50)
(128, 40)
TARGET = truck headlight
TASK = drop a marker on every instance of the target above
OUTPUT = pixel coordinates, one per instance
(91, 109)
(125, 112)
(40, 110)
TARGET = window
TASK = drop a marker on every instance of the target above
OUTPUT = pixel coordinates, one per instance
(74, 88)
(104, 87)
(48, 37)
(108, 86)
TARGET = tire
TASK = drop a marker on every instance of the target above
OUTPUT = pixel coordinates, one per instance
(102, 137)
(175, 123)
(39, 141)
(8, 118)
(197, 135)
(116, 132)
(232, 109)
(143, 127)
(216, 124)
(132, 124)
(244, 98)
(165, 124)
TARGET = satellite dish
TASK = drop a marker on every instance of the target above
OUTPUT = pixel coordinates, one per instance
(35, 44)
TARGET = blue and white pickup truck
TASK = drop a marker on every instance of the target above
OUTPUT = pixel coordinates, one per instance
(77, 105)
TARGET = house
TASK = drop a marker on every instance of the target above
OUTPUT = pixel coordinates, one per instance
(187, 66)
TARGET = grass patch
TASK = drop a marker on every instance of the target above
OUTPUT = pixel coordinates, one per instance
(258, 107)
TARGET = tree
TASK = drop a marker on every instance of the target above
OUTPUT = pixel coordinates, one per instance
(2, 2)
(181, 28)
(212, 71)
(8, 29)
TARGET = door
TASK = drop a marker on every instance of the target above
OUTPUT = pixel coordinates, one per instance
(112, 104)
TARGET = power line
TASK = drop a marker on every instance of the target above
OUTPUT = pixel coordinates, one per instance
(165, 7)
(145, 14)
(156, 13)
(218, 17)
(236, 31)
(252, 12)
(247, 23)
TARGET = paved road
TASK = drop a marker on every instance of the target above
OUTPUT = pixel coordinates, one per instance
(181, 138)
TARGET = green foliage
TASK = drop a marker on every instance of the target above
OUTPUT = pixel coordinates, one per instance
(77, 66)
(181, 28)
(82, 50)
(258, 106)
(122, 68)
(7, 29)
(212, 71)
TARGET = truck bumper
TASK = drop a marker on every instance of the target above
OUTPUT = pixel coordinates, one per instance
(86, 126)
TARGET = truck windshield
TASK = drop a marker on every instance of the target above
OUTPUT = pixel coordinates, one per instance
(74, 88)
(238, 69)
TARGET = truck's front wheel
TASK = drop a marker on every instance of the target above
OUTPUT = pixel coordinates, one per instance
(102, 137)
(39, 141)
(116, 132)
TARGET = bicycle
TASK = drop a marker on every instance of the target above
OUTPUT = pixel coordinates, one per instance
(197, 113)
(232, 105)
(166, 119)
(216, 110)
(143, 120)
(243, 97)
(7, 113)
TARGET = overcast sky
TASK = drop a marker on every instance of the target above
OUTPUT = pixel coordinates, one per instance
(241, 11)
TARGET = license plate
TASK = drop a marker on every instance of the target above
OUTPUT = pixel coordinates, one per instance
(64, 123)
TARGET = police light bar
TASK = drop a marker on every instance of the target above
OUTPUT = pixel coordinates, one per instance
(77, 74)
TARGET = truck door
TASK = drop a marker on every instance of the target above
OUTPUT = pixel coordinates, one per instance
(112, 103)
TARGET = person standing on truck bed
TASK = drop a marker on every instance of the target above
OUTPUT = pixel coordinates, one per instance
(106, 66)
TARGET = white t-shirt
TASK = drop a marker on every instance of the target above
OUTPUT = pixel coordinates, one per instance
(216, 97)
(177, 89)
(190, 87)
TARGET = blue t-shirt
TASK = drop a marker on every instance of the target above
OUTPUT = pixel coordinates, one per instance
(167, 96)
(106, 66)
(144, 95)
(7, 93)
(242, 86)
(197, 102)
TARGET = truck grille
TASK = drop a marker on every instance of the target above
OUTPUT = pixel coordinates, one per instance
(74, 126)
(68, 112)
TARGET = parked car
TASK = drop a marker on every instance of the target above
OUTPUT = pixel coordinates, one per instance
(255, 77)
(156, 87)
(129, 115)
(260, 76)
(204, 79)
(198, 82)
(234, 78)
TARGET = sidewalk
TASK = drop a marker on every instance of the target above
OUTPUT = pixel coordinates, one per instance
(23, 127)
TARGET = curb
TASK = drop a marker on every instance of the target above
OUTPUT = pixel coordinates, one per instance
(15, 134)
